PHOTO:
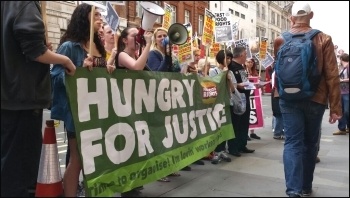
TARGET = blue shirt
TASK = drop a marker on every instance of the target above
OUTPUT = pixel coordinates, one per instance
(60, 108)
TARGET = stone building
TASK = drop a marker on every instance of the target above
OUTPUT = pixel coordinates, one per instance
(58, 15)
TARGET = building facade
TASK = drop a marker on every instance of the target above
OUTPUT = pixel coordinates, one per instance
(183, 12)
(256, 18)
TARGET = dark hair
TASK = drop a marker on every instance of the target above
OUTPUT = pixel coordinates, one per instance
(344, 57)
(78, 29)
(121, 44)
(237, 51)
(220, 56)
(254, 72)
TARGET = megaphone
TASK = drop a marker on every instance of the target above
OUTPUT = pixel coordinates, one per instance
(151, 12)
(177, 34)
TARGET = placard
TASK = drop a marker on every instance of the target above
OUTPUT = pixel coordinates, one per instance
(223, 27)
(112, 17)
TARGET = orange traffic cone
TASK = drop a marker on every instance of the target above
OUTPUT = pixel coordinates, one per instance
(49, 183)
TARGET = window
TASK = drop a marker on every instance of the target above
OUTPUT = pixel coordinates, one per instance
(273, 18)
(284, 27)
(272, 35)
(230, 10)
(236, 13)
(263, 31)
(216, 5)
(173, 18)
(242, 34)
(187, 16)
(241, 3)
(138, 9)
(263, 12)
(257, 32)
(278, 20)
(200, 24)
(242, 16)
(258, 10)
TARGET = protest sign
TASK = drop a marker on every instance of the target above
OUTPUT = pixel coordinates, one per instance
(256, 119)
(215, 48)
(185, 53)
(267, 61)
(254, 45)
(244, 43)
(263, 48)
(167, 16)
(235, 28)
(208, 29)
(112, 17)
(134, 127)
(223, 27)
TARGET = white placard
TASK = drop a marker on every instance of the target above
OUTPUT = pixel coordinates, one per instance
(223, 27)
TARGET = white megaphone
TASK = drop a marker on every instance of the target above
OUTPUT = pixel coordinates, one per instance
(151, 12)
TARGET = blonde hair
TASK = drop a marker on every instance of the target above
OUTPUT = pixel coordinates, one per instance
(154, 42)
(201, 64)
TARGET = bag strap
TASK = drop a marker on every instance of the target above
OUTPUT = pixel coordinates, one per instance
(287, 36)
(341, 73)
(309, 35)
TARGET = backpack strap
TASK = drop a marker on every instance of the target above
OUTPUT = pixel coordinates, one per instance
(309, 35)
(287, 36)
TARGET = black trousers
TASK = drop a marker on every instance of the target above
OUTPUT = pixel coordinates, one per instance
(21, 142)
(241, 127)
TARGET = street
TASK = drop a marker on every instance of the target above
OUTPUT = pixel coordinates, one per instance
(259, 174)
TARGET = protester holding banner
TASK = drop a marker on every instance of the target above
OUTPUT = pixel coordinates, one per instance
(250, 66)
(126, 58)
(160, 60)
(202, 68)
(75, 44)
(220, 150)
(192, 67)
(240, 122)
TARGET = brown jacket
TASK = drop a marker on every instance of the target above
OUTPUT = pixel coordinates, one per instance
(329, 87)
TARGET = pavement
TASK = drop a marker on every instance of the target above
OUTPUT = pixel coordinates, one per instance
(258, 174)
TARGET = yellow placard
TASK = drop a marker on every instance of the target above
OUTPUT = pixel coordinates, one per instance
(263, 48)
(167, 16)
(208, 28)
(215, 48)
(185, 50)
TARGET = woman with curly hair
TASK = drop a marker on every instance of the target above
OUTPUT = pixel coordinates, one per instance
(75, 44)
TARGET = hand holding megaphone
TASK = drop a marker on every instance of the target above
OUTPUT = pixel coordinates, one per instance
(148, 37)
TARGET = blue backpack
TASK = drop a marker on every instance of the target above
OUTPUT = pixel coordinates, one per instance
(296, 66)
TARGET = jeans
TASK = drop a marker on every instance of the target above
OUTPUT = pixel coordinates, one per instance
(21, 142)
(278, 128)
(301, 121)
(343, 123)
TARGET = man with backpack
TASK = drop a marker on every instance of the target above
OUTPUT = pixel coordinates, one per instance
(306, 76)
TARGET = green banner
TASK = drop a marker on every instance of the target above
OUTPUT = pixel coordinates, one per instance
(134, 127)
